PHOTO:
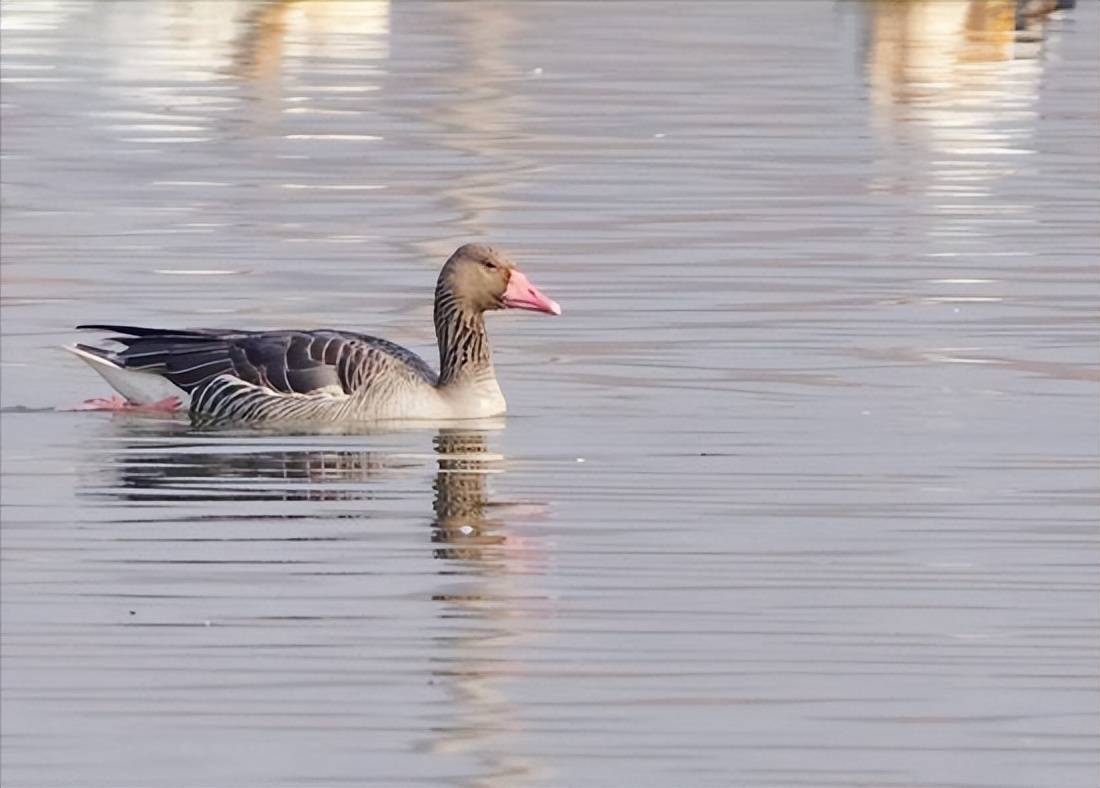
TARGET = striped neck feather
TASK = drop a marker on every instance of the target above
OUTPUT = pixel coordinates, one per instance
(464, 354)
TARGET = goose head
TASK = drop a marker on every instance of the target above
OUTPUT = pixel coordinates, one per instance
(479, 278)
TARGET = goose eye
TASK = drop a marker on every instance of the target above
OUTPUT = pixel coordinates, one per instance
(488, 265)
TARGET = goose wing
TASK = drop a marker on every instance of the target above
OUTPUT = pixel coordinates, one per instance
(291, 362)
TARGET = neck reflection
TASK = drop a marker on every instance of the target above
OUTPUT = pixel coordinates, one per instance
(461, 527)
(485, 563)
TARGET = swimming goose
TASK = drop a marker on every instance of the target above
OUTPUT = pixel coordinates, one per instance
(325, 375)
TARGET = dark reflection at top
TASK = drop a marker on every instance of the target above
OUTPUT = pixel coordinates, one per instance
(150, 475)
(192, 468)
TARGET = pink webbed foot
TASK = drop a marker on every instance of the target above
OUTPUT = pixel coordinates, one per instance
(114, 402)
(117, 404)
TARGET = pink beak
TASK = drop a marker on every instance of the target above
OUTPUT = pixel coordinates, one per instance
(521, 294)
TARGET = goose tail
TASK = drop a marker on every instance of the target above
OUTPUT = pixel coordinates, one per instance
(140, 388)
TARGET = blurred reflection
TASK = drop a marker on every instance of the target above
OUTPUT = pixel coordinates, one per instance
(471, 663)
(278, 31)
(472, 114)
(944, 53)
(953, 87)
(259, 51)
(480, 115)
(475, 604)
(305, 57)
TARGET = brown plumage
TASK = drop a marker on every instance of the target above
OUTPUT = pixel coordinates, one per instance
(329, 375)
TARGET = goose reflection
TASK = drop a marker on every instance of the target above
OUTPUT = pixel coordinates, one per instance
(210, 474)
(170, 473)
(480, 573)
(470, 665)
(461, 527)
(157, 468)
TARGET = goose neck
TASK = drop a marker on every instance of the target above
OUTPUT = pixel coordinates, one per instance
(464, 353)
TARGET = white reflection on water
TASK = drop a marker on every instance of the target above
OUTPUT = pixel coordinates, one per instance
(954, 89)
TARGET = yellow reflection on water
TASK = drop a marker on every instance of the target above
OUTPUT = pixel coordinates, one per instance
(953, 88)
(955, 81)
(945, 53)
(293, 29)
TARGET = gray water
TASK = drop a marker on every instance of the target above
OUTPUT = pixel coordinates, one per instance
(801, 490)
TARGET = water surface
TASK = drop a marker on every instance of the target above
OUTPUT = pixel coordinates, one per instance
(800, 490)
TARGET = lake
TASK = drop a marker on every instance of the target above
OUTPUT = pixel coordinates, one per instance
(800, 490)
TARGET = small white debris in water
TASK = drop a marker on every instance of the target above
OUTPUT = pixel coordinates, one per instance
(196, 272)
(466, 530)
(659, 136)
(865, 412)
(206, 623)
(580, 459)
(535, 72)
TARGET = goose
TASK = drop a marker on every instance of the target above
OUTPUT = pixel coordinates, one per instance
(330, 376)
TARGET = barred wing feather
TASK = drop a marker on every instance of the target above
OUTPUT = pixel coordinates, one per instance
(228, 372)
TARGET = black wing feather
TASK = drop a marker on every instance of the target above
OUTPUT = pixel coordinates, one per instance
(299, 362)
